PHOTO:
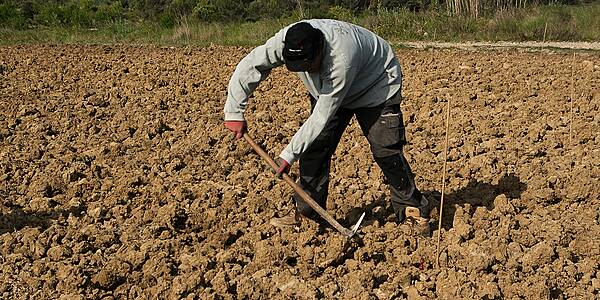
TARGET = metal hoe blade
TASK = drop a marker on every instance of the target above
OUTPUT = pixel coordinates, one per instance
(357, 225)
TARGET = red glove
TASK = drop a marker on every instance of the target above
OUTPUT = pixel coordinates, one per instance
(237, 127)
(284, 167)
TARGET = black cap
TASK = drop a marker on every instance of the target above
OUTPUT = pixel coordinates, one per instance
(301, 46)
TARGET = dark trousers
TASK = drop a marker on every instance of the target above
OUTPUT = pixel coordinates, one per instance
(384, 128)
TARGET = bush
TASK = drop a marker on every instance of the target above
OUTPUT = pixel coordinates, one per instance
(269, 9)
(73, 13)
(205, 11)
(167, 20)
(12, 16)
(341, 13)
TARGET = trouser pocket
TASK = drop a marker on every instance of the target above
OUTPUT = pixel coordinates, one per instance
(388, 131)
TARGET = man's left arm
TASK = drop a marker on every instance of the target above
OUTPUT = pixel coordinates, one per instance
(250, 71)
(336, 83)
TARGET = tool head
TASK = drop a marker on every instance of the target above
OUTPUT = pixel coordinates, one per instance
(355, 227)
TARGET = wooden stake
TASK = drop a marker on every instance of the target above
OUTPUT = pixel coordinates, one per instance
(177, 84)
(437, 255)
(571, 102)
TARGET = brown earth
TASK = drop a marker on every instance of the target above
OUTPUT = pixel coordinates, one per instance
(120, 181)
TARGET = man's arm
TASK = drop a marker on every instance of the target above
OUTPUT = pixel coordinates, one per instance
(251, 70)
(336, 83)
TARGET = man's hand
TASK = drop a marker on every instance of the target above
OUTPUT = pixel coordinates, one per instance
(237, 127)
(284, 167)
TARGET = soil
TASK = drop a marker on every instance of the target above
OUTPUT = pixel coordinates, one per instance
(119, 180)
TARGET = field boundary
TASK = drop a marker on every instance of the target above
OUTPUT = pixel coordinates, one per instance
(593, 46)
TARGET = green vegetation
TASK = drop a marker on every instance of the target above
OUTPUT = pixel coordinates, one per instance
(250, 22)
(539, 23)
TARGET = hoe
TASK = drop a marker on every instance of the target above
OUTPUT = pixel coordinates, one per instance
(305, 196)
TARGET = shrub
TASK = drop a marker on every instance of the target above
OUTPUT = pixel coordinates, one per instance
(12, 16)
(341, 13)
(205, 11)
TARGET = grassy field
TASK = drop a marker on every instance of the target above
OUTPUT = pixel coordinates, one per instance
(541, 23)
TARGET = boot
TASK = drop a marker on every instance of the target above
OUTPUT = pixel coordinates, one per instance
(290, 220)
(415, 219)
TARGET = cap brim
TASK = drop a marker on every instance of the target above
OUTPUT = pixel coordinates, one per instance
(302, 65)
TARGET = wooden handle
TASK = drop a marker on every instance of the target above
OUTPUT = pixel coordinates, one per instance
(305, 196)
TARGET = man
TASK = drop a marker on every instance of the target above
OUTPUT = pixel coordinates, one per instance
(348, 71)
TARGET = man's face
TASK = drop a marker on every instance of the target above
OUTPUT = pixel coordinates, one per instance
(315, 65)
(308, 65)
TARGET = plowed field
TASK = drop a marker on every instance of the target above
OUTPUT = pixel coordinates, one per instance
(119, 181)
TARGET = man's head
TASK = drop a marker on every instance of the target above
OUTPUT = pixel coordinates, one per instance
(303, 48)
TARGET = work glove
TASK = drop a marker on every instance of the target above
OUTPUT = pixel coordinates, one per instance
(237, 127)
(283, 167)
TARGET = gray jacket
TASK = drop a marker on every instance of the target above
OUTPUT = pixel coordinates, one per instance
(359, 69)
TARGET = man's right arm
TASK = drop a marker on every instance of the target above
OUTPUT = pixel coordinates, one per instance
(251, 70)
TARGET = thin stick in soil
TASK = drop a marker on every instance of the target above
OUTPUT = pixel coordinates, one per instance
(437, 255)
